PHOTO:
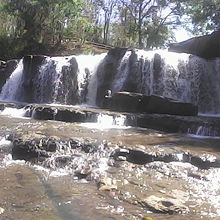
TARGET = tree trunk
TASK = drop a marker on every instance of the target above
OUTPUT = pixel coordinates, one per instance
(140, 22)
(140, 40)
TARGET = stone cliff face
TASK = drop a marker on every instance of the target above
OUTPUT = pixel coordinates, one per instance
(107, 71)
(207, 46)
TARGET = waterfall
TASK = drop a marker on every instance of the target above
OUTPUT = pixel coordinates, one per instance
(12, 90)
(154, 72)
(205, 131)
(85, 78)
(44, 81)
(65, 80)
(178, 76)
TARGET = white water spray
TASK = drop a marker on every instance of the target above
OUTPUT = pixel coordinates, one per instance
(12, 90)
(89, 63)
(105, 121)
(14, 112)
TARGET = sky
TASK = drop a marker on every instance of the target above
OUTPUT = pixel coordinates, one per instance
(181, 34)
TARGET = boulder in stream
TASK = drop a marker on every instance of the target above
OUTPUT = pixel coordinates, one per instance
(138, 103)
(169, 205)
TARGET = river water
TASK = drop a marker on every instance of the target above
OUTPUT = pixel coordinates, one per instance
(47, 191)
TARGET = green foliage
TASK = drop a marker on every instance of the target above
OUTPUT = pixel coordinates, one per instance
(41, 26)
(205, 15)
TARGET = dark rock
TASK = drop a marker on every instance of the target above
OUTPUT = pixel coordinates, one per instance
(135, 102)
(158, 87)
(117, 52)
(74, 144)
(141, 157)
(124, 101)
(66, 114)
(27, 150)
(62, 161)
(70, 116)
(43, 113)
(32, 64)
(161, 105)
(2, 107)
(51, 146)
(106, 72)
(89, 148)
(68, 89)
(207, 46)
(133, 77)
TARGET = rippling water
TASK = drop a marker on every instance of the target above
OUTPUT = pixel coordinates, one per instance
(48, 190)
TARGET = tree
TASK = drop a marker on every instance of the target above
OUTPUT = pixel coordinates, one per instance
(204, 15)
(107, 7)
(42, 21)
(152, 15)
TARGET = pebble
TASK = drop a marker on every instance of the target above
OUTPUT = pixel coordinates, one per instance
(1, 210)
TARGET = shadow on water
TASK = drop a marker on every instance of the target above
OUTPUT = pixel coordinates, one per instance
(64, 211)
(208, 144)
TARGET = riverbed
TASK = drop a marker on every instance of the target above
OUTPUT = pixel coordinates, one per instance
(130, 173)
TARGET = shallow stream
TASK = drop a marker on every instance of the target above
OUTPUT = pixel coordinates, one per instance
(114, 179)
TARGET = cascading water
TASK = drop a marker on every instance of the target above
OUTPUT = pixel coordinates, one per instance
(87, 79)
(43, 85)
(182, 77)
(12, 90)
(65, 80)
(76, 79)
(105, 121)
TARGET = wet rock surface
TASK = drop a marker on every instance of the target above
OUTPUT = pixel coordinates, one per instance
(139, 103)
(169, 123)
(107, 71)
(155, 179)
(164, 205)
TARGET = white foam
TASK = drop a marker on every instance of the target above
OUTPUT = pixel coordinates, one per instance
(203, 136)
(14, 112)
(105, 121)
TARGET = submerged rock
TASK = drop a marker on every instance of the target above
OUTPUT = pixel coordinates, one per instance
(140, 157)
(28, 150)
(164, 204)
(106, 184)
